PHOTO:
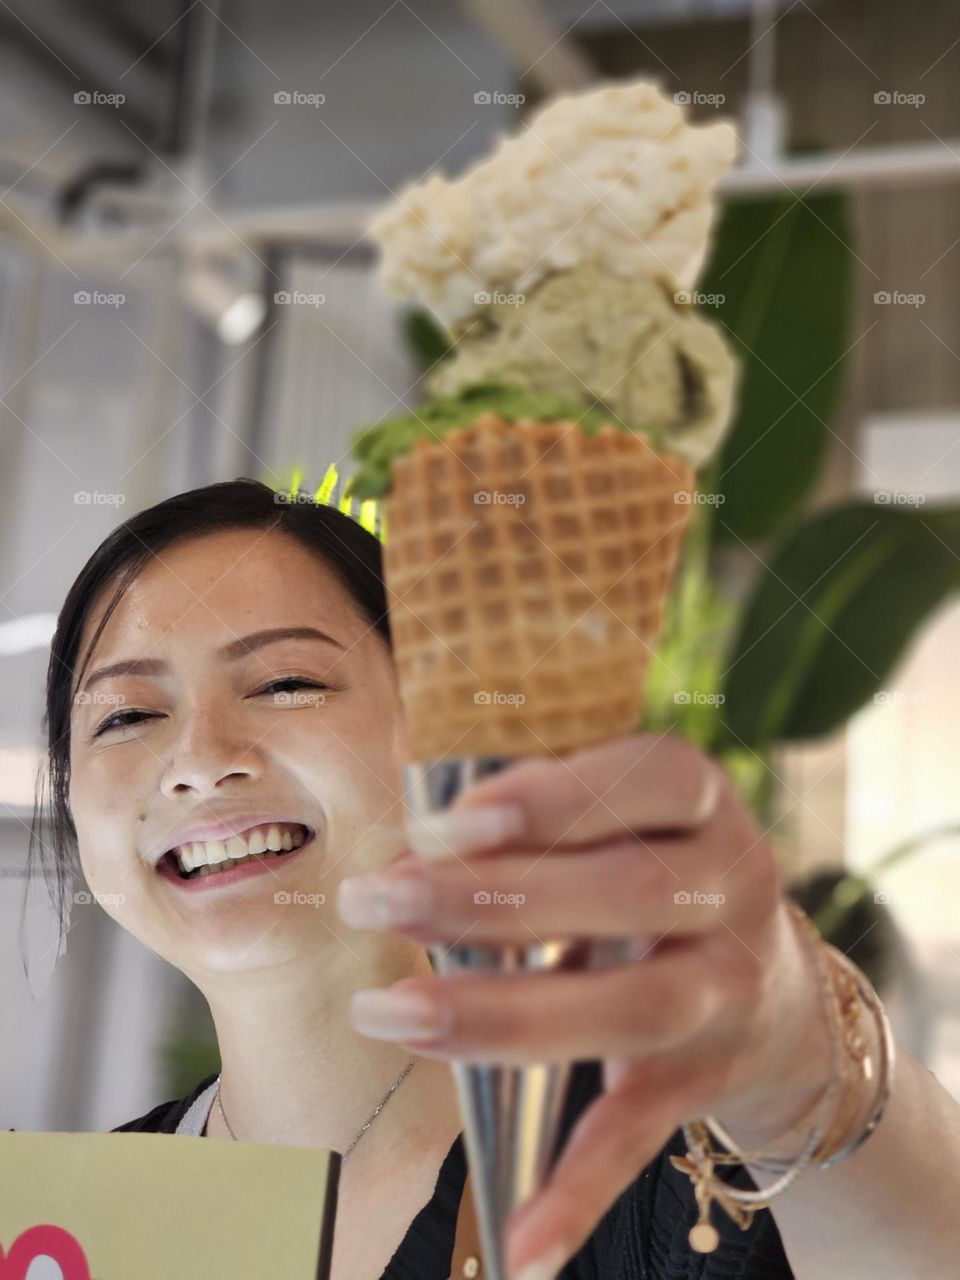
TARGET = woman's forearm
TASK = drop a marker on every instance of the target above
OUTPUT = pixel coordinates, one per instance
(890, 1209)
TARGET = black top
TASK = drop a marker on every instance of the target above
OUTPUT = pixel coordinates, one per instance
(643, 1236)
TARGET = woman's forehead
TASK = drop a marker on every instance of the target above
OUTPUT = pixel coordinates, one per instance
(211, 589)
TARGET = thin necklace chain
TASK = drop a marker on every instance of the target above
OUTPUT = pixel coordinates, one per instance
(376, 1111)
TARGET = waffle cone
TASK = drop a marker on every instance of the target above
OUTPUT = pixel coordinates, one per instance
(527, 566)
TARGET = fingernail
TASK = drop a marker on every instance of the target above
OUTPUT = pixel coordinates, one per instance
(381, 902)
(397, 1015)
(456, 831)
(544, 1268)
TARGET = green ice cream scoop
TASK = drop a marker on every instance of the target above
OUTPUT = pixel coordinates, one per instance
(375, 447)
(584, 344)
(630, 345)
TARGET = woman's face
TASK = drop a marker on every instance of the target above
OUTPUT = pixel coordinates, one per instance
(217, 728)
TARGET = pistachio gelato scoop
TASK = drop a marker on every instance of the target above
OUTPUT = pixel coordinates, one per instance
(376, 446)
(623, 346)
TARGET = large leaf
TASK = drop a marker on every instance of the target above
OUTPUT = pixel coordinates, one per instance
(831, 615)
(785, 274)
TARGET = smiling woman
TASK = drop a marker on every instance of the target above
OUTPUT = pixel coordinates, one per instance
(225, 752)
(224, 744)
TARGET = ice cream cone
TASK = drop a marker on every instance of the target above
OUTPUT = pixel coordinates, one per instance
(529, 556)
(527, 567)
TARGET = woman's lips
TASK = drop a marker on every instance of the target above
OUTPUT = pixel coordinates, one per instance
(257, 866)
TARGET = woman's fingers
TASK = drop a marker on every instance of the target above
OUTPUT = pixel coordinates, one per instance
(689, 884)
(635, 783)
(608, 1149)
(643, 1007)
(625, 890)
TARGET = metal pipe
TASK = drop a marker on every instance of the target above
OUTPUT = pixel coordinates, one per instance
(330, 227)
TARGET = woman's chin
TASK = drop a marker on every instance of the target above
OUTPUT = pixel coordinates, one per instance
(253, 935)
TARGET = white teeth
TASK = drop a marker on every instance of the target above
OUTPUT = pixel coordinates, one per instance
(268, 841)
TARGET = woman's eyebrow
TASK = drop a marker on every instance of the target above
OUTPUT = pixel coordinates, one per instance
(231, 651)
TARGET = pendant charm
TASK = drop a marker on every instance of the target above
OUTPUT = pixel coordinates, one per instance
(704, 1237)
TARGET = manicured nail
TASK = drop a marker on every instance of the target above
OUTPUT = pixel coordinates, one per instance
(383, 902)
(544, 1268)
(453, 832)
(398, 1015)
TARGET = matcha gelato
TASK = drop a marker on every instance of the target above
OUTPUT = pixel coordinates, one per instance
(620, 345)
(375, 447)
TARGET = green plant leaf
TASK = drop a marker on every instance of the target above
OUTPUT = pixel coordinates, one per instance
(682, 693)
(831, 615)
(785, 274)
(427, 340)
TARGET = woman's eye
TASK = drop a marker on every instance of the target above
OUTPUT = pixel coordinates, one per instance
(117, 721)
(293, 682)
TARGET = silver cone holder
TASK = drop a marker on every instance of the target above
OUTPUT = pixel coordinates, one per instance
(510, 1113)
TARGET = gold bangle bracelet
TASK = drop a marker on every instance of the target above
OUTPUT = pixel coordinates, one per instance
(888, 1054)
(845, 991)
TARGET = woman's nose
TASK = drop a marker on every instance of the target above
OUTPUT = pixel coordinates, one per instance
(206, 754)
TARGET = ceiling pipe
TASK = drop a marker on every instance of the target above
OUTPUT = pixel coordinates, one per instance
(337, 225)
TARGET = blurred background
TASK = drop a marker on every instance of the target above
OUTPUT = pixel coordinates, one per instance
(186, 295)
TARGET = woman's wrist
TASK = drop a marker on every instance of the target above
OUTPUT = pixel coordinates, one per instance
(834, 1076)
(803, 1065)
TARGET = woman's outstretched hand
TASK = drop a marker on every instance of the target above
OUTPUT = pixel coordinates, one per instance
(718, 1011)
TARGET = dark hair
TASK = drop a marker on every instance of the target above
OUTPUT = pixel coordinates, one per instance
(350, 550)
